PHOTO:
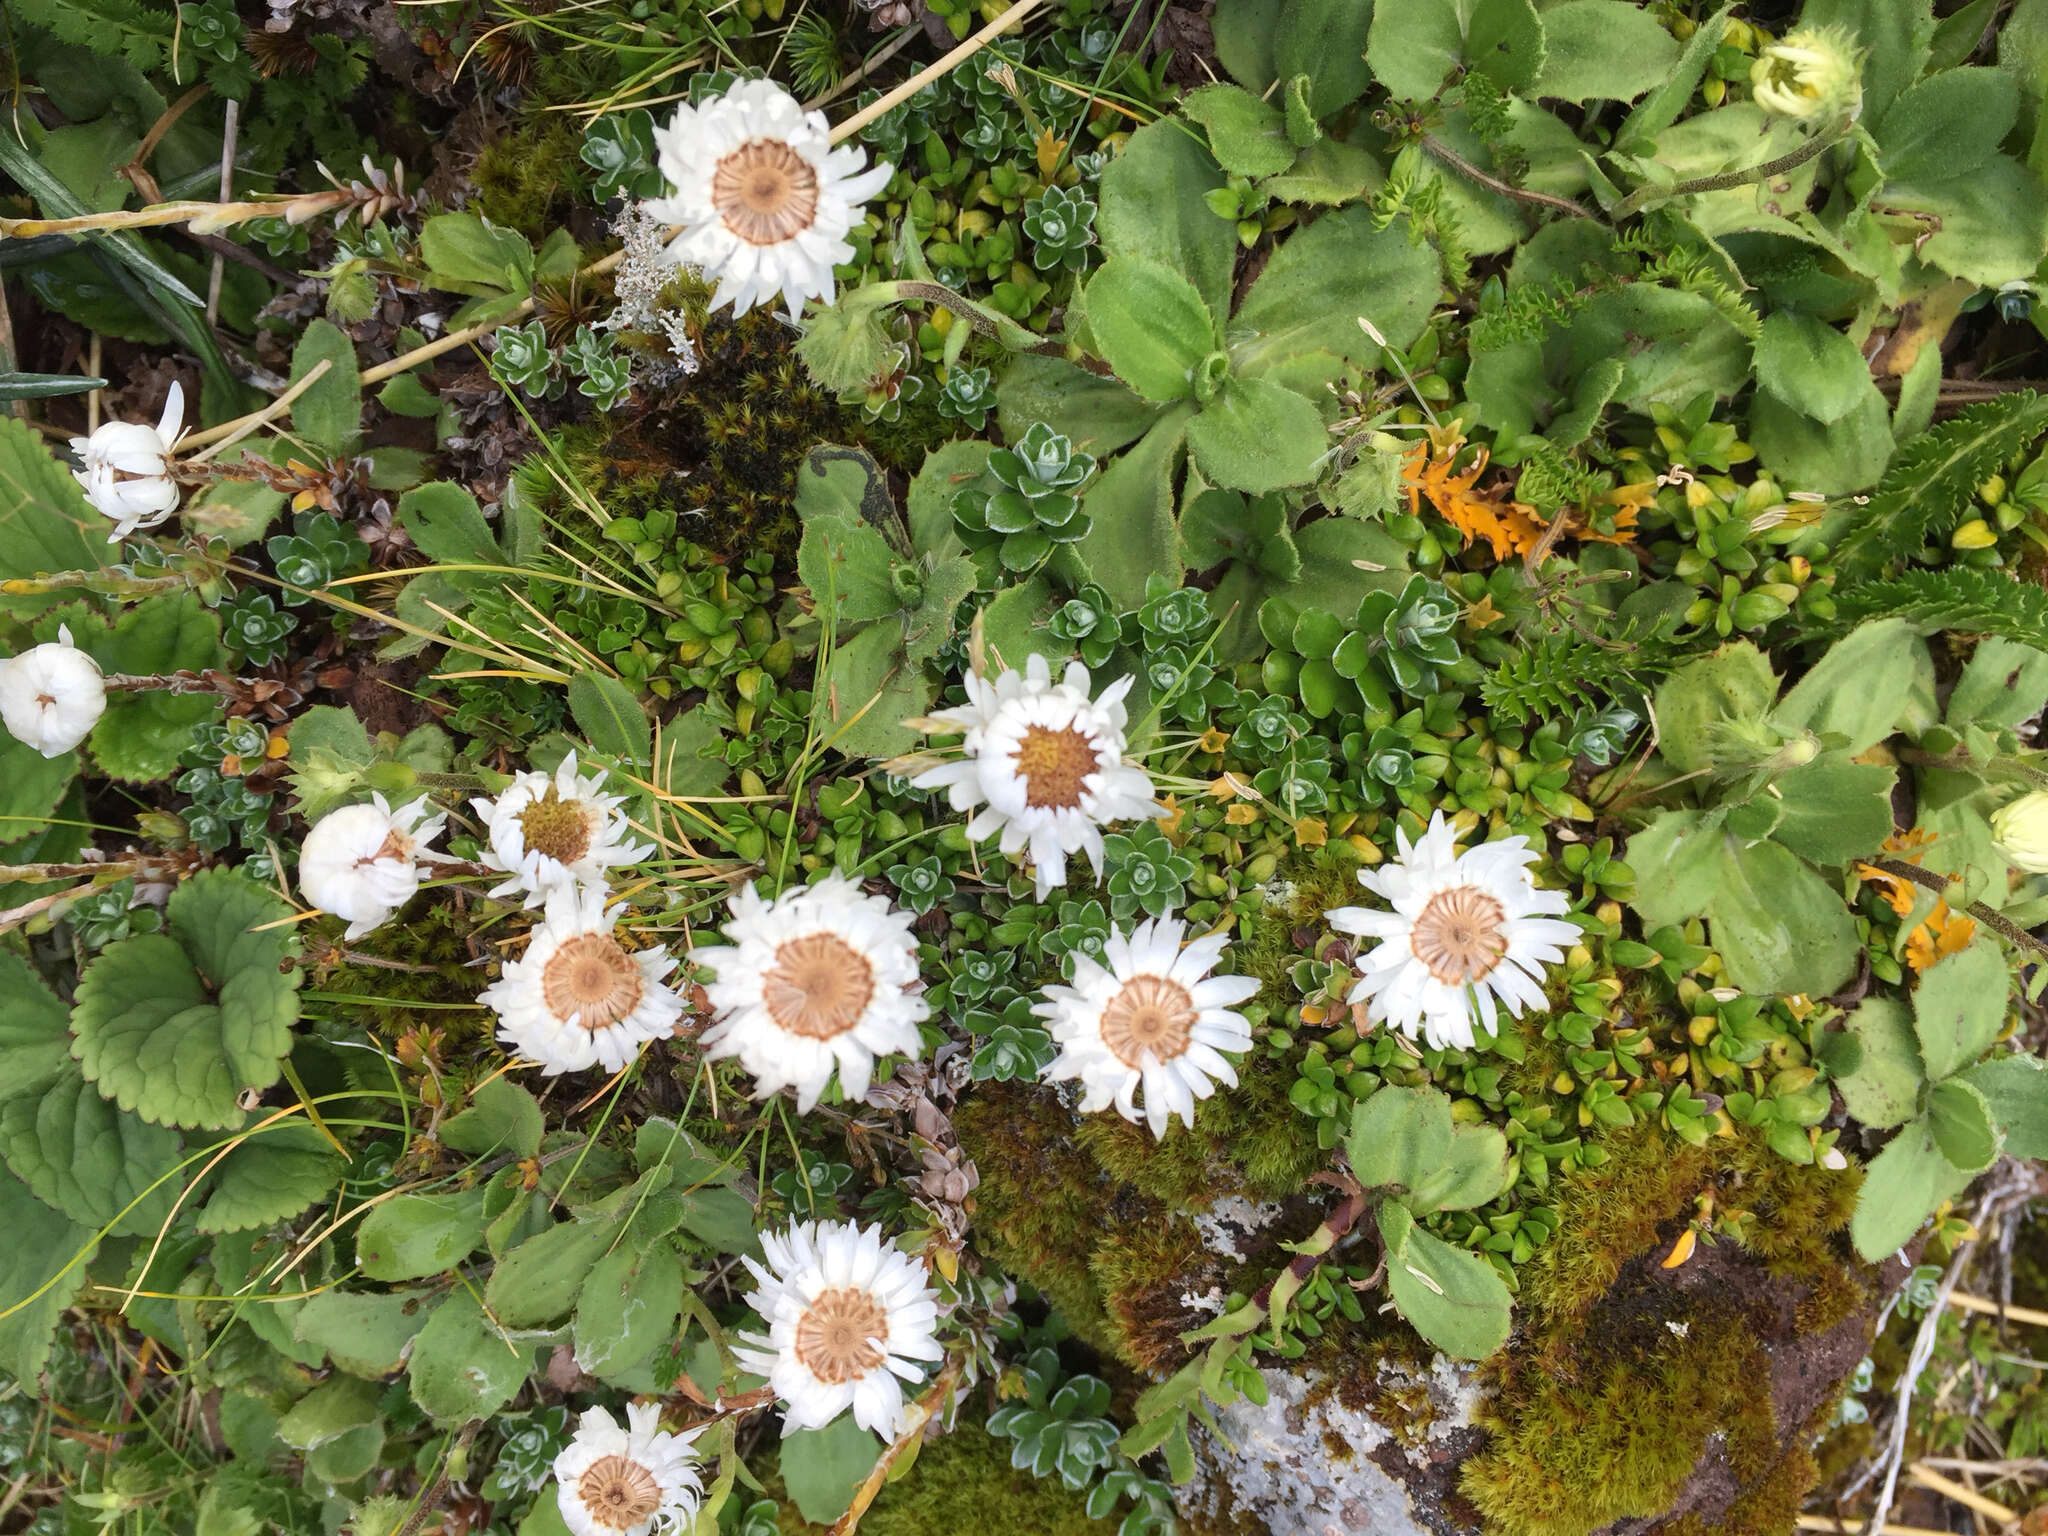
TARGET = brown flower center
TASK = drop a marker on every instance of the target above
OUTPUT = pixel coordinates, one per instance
(1151, 1015)
(556, 827)
(819, 986)
(1458, 938)
(592, 978)
(1053, 765)
(618, 1492)
(396, 845)
(832, 1339)
(765, 192)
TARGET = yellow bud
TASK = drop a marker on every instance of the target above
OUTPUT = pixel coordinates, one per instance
(1975, 534)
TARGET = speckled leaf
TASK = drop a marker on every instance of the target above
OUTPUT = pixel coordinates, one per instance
(462, 1367)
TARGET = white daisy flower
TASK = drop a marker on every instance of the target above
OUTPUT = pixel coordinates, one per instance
(362, 861)
(819, 977)
(52, 695)
(550, 831)
(764, 199)
(1466, 929)
(1153, 1017)
(1047, 763)
(847, 1315)
(627, 1482)
(578, 998)
(127, 468)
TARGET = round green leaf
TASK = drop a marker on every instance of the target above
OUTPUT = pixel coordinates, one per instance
(1257, 436)
(822, 1467)
(1960, 1007)
(1151, 325)
(1812, 365)
(1959, 1117)
(463, 1368)
(273, 1175)
(415, 1235)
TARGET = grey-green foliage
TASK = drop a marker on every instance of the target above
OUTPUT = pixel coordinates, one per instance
(1405, 1146)
(1776, 795)
(885, 589)
(1916, 1070)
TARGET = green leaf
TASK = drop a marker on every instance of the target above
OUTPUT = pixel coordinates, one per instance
(1014, 623)
(1152, 207)
(537, 1282)
(1862, 687)
(1603, 50)
(1661, 108)
(1416, 43)
(1325, 40)
(1830, 459)
(929, 626)
(1677, 861)
(449, 528)
(1404, 1139)
(1778, 925)
(1248, 136)
(47, 1268)
(1901, 1188)
(329, 751)
(1959, 1118)
(610, 717)
(363, 1333)
(1131, 534)
(2016, 1088)
(100, 1167)
(1947, 126)
(463, 1368)
(1321, 281)
(46, 524)
(1884, 1090)
(1151, 326)
(1450, 1296)
(2005, 684)
(329, 414)
(35, 1030)
(174, 1027)
(502, 1117)
(869, 689)
(466, 252)
(821, 1468)
(1834, 810)
(1813, 365)
(270, 1177)
(847, 483)
(1097, 415)
(409, 1237)
(846, 565)
(1257, 436)
(339, 1427)
(141, 735)
(628, 1308)
(32, 786)
(1732, 683)
(1244, 30)
(1960, 1006)
(946, 471)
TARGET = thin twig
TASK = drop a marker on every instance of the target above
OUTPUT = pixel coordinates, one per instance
(229, 130)
(1927, 879)
(1464, 167)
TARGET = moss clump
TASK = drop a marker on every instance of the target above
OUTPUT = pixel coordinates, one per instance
(530, 177)
(962, 1481)
(1625, 1371)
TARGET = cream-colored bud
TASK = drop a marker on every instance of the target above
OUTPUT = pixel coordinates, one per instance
(2021, 829)
(1810, 72)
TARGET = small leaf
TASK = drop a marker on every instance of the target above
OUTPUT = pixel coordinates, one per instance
(502, 1117)
(409, 1237)
(1257, 436)
(1960, 1007)
(610, 717)
(1884, 1090)
(1452, 1297)
(329, 414)
(1151, 325)
(449, 528)
(846, 566)
(1901, 1188)
(1959, 1118)
(628, 1308)
(362, 1333)
(1247, 135)
(463, 1368)
(1861, 687)
(1833, 809)
(1778, 925)
(1809, 363)
(2016, 1088)
(822, 1467)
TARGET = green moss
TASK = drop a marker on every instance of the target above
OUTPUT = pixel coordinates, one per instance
(530, 177)
(961, 1482)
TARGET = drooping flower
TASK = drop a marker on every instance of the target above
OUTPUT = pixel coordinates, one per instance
(548, 831)
(52, 695)
(636, 1481)
(1153, 1017)
(578, 998)
(1466, 931)
(848, 1314)
(126, 471)
(819, 977)
(1808, 72)
(2021, 831)
(362, 861)
(1046, 763)
(763, 199)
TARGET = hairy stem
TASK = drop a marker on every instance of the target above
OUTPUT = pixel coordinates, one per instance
(1633, 203)
(1927, 879)
(1467, 169)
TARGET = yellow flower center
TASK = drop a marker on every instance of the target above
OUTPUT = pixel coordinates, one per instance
(1053, 765)
(593, 980)
(765, 192)
(1150, 1016)
(618, 1492)
(555, 827)
(1459, 937)
(818, 987)
(833, 1337)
